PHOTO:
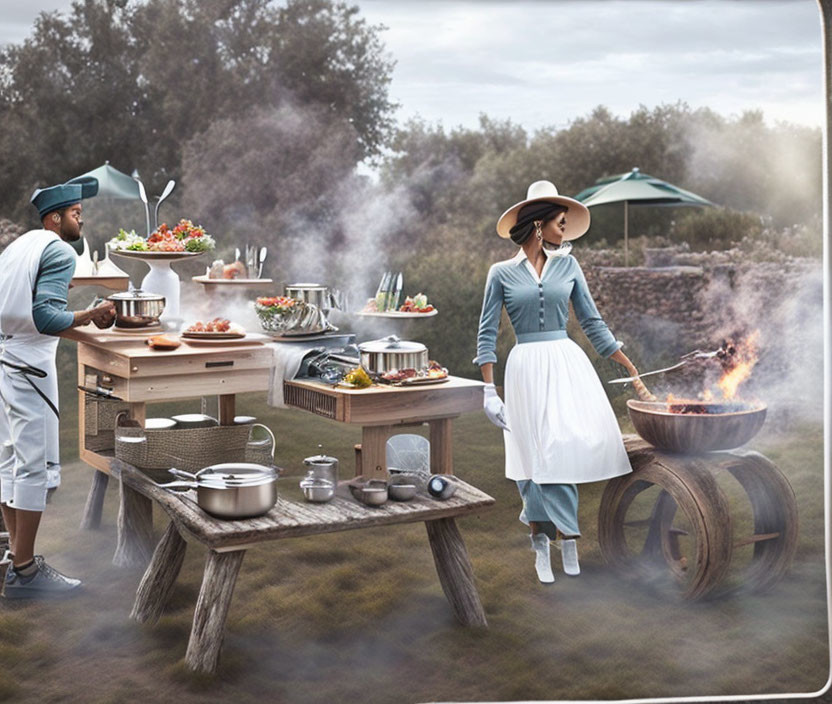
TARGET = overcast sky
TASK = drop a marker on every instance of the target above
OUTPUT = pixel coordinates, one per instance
(546, 62)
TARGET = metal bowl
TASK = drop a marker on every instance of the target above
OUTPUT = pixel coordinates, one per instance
(317, 490)
(704, 427)
(374, 496)
(137, 309)
(372, 492)
(401, 492)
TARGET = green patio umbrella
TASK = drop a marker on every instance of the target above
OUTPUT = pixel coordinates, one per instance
(638, 189)
(114, 184)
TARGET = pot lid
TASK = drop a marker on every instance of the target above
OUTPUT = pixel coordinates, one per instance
(391, 344)
(320, 459)
(235, 474)
(134, 295)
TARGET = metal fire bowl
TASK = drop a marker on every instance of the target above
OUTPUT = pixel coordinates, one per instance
(694, 433)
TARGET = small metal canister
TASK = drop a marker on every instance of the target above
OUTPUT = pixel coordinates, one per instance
(322, 467)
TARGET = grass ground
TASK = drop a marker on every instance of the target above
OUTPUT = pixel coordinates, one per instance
(360, 616)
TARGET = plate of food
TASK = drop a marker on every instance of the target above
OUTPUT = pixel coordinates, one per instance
(413, 307)
(216, 329)
(433, 374)
(183, 240)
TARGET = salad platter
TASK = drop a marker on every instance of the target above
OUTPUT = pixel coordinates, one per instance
(146, 255)
(184, 239)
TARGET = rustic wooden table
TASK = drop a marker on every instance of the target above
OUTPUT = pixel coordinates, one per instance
(227, 542)
(137, 374)
(698, 550)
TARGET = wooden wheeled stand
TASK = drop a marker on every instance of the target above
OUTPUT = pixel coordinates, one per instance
(699, 552)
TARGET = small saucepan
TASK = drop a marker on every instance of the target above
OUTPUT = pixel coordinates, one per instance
(232, 490)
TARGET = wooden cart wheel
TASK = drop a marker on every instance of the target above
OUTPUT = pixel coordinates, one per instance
(775, 519)
(687, 486)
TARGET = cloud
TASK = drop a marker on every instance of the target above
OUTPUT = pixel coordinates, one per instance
(458, 59)
(545, 62)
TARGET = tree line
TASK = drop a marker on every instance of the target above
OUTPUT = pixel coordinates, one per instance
(262, 112)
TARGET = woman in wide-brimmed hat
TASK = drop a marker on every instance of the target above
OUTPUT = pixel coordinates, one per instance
(559, 428)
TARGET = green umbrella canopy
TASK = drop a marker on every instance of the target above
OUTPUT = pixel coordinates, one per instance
(114, 184)
(637, 188)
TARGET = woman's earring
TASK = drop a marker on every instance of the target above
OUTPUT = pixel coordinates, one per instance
(539, 232)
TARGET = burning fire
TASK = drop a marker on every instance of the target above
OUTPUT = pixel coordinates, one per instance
(738, 366)
(737, 361)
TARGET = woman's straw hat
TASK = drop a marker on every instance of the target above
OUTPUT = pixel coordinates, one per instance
(577, 218)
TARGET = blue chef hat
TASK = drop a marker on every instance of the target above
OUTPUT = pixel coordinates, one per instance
(56, 197)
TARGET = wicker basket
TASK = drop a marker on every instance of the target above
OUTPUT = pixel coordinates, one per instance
(156, 451)
(99, 422)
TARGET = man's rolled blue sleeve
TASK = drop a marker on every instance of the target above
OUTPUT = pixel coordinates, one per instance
(492, 306)
(57, 265)
(590, 319)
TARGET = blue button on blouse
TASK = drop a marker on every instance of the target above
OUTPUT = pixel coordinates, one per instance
(539, 307)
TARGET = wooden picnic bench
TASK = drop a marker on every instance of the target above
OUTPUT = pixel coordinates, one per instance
(227, 542)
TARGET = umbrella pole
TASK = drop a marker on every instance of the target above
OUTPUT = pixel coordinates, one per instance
(626, 235)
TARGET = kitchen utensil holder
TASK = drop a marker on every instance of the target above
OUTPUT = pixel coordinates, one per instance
(100, 421)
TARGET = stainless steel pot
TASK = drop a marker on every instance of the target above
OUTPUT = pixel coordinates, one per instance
(325, 298)
(392, 353)
(310, 293)
(322, 467)
(232, 490)
(137, 309)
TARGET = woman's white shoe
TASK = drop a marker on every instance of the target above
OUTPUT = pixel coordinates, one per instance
(542, 560)
(569, 555)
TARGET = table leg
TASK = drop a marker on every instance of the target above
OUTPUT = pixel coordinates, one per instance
(91, 519)
(441, 446)
(208, 631)
(227, 404)
(374, 450)
(455, 573)
(135, 528)
(157, 582)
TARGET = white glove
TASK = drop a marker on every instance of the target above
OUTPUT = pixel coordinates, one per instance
(494, 407)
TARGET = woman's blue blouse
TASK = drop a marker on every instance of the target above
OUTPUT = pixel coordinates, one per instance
(539, 309)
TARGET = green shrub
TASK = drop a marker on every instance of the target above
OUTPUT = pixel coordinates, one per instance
(715, 228)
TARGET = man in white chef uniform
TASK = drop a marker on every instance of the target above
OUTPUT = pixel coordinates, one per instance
(35, 270)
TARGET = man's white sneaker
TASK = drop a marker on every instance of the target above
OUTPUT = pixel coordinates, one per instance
(569, 555)
(542, 560)
(45, 582)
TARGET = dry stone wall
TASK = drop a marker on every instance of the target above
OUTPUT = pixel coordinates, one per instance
(685, 301)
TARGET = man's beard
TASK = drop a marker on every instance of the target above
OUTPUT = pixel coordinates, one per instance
(70, 234)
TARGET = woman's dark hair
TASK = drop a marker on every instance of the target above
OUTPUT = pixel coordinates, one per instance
(531, 213)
